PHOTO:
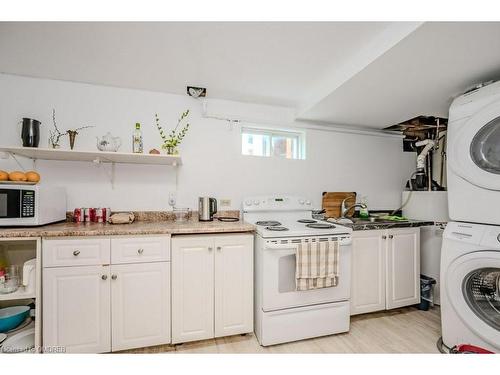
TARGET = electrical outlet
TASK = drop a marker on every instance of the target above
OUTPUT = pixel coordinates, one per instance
(225, 202)
(172, 199)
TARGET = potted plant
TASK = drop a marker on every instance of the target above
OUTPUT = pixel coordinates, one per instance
(175, 137)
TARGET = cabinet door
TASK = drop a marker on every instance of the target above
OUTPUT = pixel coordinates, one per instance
(233, 284)
(76, 312)
(140, 305)
(368, 271)
(192, 288)
(403, 267)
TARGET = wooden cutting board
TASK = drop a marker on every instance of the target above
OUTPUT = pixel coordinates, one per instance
(333, 200)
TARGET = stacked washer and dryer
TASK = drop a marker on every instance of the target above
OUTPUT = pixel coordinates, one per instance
(470, 256)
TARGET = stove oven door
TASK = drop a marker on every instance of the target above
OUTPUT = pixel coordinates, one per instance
(278, 273)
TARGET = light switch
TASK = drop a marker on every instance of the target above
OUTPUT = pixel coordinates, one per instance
(225, 202)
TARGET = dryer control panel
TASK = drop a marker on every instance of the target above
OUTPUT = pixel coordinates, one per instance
(465, 232)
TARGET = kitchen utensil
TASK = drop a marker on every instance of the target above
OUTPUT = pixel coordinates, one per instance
(228, 219)
(12, 280)
(29, 275)
(108, 143)
(24, 324)
(30, 133)
(332, 201)
(11, 317)
(207, 207)
(318, 214)
(21, 342)
(182, 214)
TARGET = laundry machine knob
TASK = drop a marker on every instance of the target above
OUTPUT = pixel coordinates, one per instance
(248, 203)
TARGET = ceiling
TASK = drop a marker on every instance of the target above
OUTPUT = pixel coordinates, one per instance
(418, 76)
(371, 74)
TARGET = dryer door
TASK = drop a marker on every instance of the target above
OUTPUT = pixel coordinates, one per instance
(475, 150)
(473, 288)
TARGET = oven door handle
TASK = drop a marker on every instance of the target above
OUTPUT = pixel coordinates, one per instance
(290, 246)
(285, 246)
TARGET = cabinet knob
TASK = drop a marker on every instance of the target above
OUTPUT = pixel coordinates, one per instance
(76, 253)
(140, 251)
(219, 248)
(391, 236)
(210, 249)
(104, 277)
(384, 237)
(114, 277)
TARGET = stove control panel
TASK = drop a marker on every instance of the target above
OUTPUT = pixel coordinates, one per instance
(277, 203)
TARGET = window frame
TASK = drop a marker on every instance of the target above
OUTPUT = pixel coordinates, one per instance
(275, 132)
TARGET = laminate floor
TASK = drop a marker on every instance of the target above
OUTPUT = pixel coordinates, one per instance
(405, 330)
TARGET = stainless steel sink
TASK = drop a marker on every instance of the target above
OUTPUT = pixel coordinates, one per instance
(370, 220)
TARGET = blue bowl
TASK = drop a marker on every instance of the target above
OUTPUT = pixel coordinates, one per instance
(11, 317)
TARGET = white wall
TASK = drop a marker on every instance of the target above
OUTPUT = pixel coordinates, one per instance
(212, 162)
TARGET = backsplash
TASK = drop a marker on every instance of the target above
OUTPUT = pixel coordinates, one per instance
(164, 215)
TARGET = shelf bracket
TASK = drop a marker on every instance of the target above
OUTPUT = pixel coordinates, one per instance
(19, 163)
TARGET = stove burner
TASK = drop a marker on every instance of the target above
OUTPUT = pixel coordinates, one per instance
(320, 226)
(268, 223)
(306, 221)
(277, 229)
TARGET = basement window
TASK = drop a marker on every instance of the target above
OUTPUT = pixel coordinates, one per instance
(270, 142)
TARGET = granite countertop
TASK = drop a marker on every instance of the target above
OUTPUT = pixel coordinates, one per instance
(67, 229)
(367, 225)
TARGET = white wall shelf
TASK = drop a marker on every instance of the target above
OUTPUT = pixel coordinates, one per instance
(96, 157)
(92, 156)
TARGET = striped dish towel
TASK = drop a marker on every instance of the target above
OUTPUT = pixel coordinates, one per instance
(317, 265)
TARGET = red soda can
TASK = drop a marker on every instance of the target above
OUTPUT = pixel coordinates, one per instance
(78, 215)
(92, 215)
(98, 215)
(106, 213)
(86, 217)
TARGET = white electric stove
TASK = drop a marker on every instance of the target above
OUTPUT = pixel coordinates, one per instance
(283, 314)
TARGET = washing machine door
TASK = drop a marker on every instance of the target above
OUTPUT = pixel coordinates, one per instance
(473, 288)
(475, 150)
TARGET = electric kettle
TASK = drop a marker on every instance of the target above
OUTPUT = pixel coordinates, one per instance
(207, 207)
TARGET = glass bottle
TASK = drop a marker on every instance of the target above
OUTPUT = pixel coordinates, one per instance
(137, 139)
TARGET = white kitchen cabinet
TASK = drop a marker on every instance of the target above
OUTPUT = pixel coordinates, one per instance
(368, 272)
(403, 267)
(140, 305)
(102, 308)
(76, 313)
(192, 288)
(233, 285)
(212, 286)
(385, 269)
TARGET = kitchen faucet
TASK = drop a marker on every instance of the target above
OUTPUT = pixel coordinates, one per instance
(344, 209)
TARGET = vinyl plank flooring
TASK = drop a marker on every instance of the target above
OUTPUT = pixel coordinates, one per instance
(405, 330)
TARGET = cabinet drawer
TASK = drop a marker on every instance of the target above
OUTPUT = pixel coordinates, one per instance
(75, 252)
(140, 249)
